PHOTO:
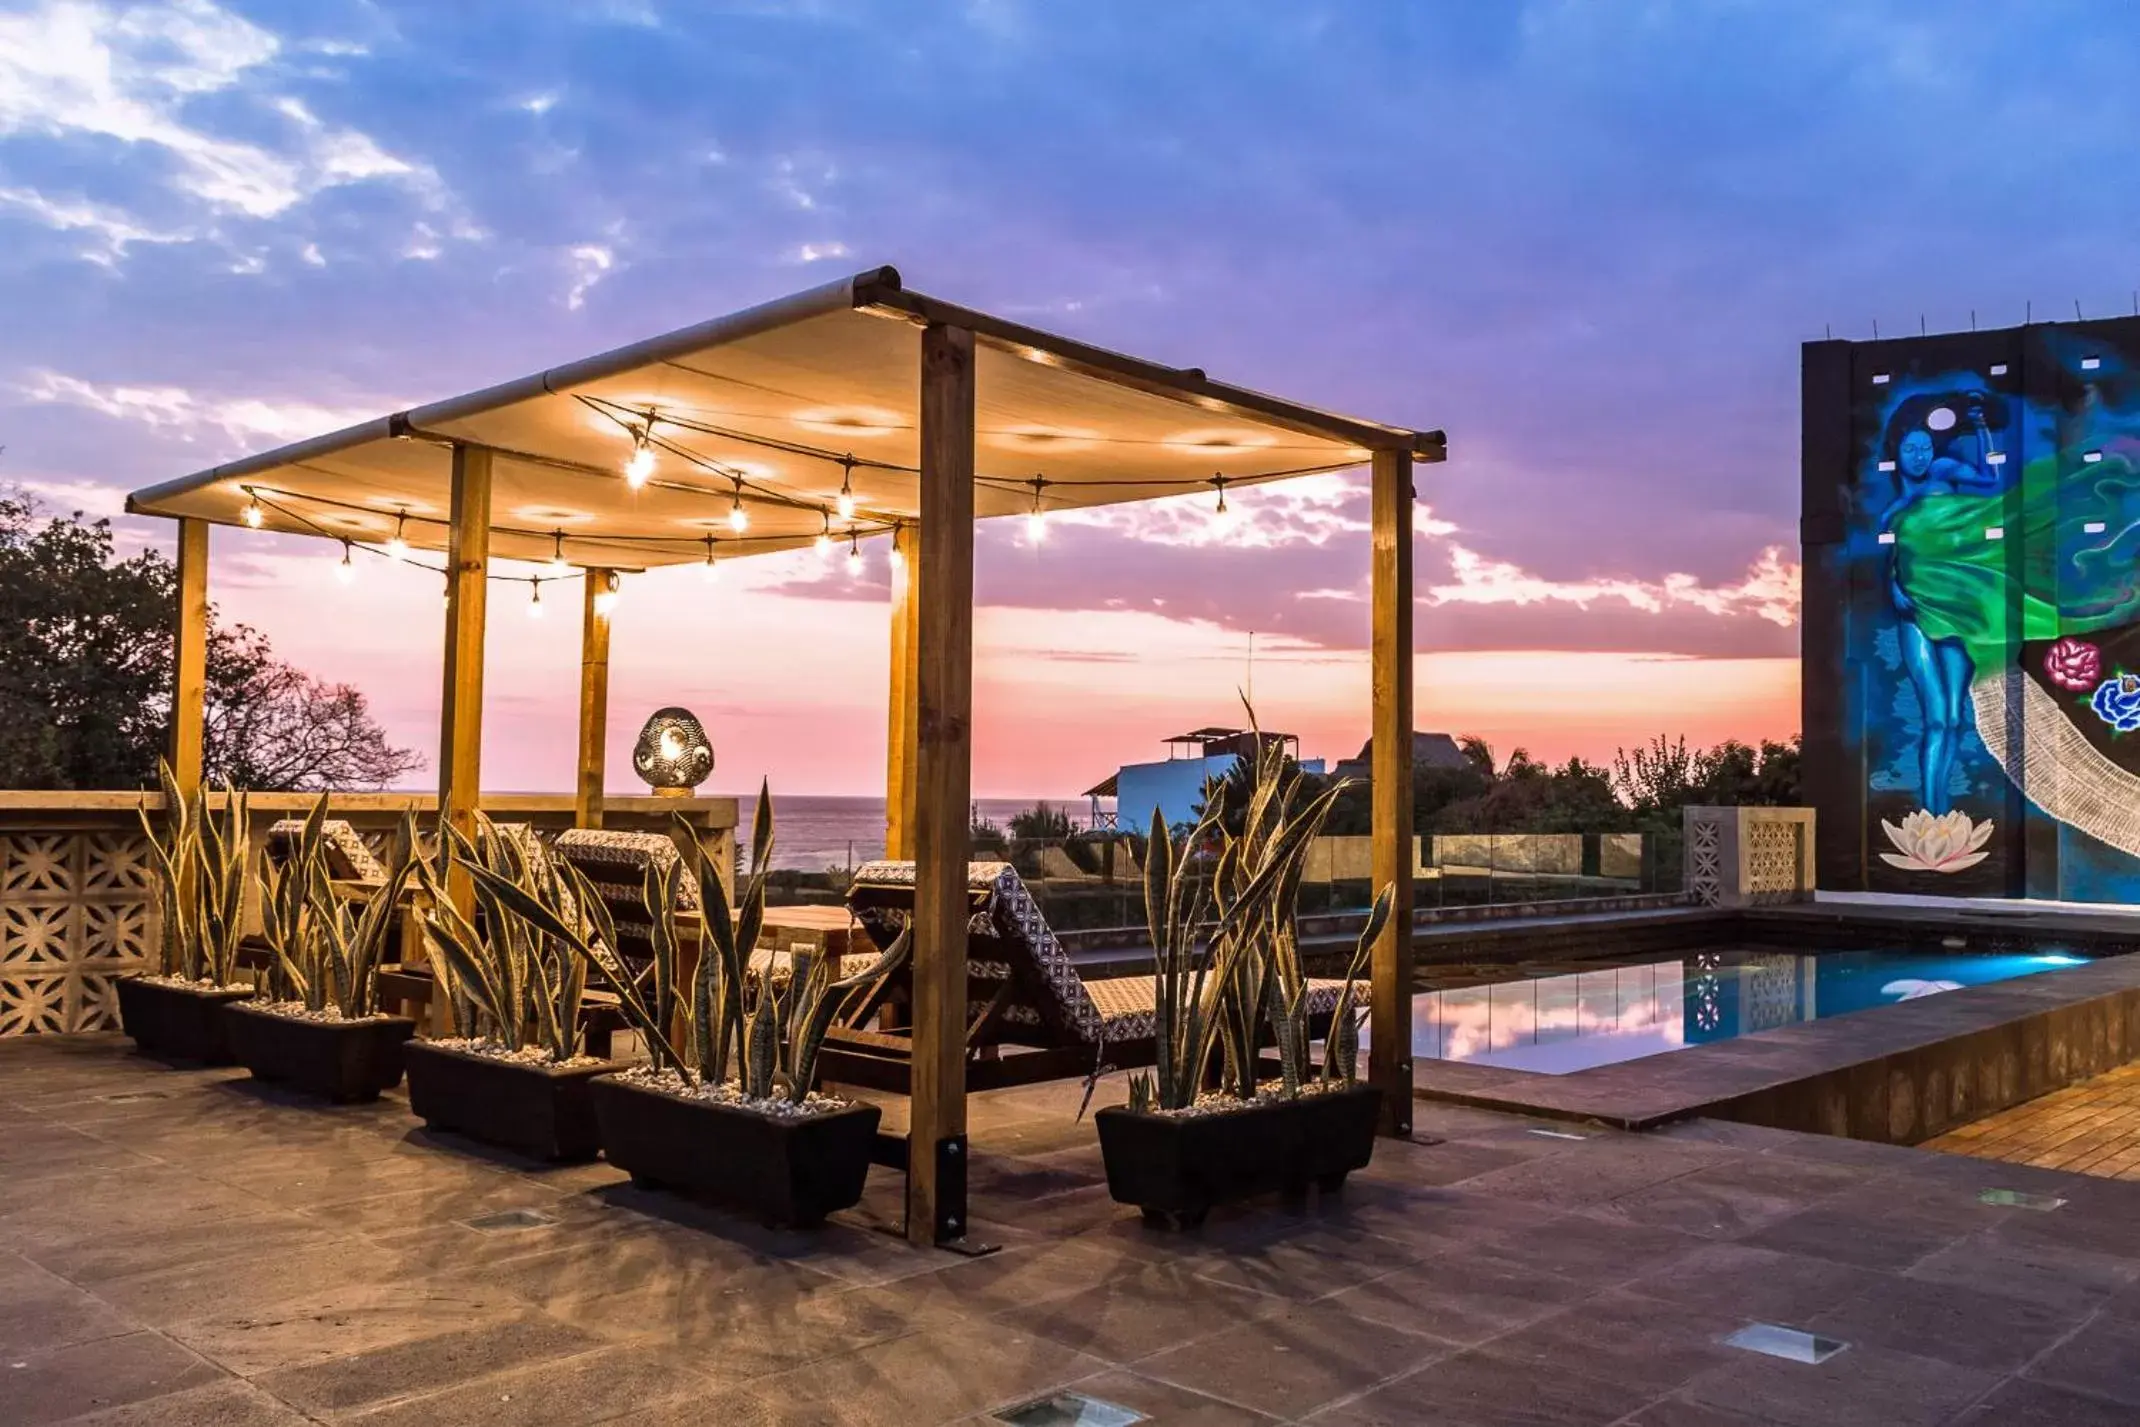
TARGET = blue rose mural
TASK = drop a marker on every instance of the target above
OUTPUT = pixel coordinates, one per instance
(2117, 702)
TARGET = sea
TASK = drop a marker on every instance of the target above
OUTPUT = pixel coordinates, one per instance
(811, 834)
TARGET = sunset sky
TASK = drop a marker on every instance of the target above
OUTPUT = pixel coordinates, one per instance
(1585, 239)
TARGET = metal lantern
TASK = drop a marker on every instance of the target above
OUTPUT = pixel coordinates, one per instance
(673, 753)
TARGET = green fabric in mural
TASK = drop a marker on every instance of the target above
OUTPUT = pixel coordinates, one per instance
(1959, 582)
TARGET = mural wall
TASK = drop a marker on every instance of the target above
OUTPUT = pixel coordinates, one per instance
(1972, 631)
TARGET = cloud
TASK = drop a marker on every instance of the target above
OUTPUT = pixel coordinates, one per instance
(111, 230)
(1769, 590)
(137, 75)
(588, 263)
(817, 252)
(189, 416)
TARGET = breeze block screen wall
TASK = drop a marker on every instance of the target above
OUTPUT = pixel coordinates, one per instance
(1972, 612)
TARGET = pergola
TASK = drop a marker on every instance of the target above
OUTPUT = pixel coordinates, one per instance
(854, 409)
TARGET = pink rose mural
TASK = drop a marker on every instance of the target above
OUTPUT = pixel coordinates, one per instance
(2074, 665)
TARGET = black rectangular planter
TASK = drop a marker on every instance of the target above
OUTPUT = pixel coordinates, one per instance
(545, 1111)
(790, 1172)
(1176, 1167)
(342, 1061)
(177, 1022)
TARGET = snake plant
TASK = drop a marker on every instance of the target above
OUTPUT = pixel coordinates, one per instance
(518, 986)
(326, 946)
(199, 861)
(1227, 945)
(720, 1022)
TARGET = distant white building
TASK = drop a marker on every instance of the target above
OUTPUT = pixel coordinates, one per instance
(1175, 784)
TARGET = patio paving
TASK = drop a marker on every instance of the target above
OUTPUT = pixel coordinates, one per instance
(2090, 1128)
(185, 1247)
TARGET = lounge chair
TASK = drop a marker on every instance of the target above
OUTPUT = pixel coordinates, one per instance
(349, 857)
(1023, 993)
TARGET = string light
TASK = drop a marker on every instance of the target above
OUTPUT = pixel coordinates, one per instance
(398, 547)
(846, 502)
(252, 515)
(823, 544)
(640, 464)
(738, 517)
(347, 570)
(1221, 518)
(897, 559)
(558, 568)
(605, 599)
(854, 553)
(1036, 521)
(711, 571)
(535, 598)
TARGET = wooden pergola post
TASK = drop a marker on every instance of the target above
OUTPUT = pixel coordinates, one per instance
(594, 699)
(1390, 1003)
(899, 753)
(940, 667)
(189, 664)
(460, 740)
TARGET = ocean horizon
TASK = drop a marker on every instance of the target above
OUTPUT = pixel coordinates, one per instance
(811, 834)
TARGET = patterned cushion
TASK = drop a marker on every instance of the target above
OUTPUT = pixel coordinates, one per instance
(536, 855)
(1126, 1002)
(616, 863)
(348, 859)
(782, 964)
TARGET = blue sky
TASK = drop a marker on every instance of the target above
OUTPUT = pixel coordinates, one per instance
(1585, 238)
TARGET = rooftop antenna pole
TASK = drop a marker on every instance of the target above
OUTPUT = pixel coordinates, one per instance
(1920, 324)
(1876, 329)
(1972, 319)
(2077, 311)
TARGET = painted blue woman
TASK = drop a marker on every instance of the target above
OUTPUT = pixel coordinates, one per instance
(1950, 574)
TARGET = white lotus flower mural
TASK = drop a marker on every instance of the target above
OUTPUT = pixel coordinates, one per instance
(1949, 842)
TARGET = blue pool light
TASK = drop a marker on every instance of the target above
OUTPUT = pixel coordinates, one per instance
(2059, 958)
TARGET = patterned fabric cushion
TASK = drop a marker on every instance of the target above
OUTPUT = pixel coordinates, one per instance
(782, 964)
(348, 859)
(1126, 1002)
(616, 863)
(533, 851)
(1009, 914)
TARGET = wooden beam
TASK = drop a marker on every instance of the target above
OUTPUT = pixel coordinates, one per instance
(942, 674)
(899, 754)
(189, 663)
(594, 698)
(1394, 855)
(460, 740)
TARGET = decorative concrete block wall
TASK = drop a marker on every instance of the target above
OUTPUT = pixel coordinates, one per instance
(1748, 857)
(75, 913)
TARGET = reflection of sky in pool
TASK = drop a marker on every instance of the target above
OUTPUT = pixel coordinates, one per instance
(1557, 1024)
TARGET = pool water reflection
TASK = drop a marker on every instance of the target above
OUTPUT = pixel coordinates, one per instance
(1562, 1023)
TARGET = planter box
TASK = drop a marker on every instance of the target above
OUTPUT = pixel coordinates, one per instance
(1176, 1167)
(789, 1172)
(177, 1022)
(541, 1110)
(342, 1061)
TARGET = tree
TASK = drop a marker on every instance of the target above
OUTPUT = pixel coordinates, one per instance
(86, 670)
(1040, 823)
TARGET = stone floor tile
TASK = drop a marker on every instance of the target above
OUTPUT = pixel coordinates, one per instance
(1602, 1169)
(2103, 1360)
(1295, 1360)
(1163, 1403)
(69, 1382)
(2022, 1403)
(1646, 1344)
(1755, 1283)
(360, 1382)
(223, 1403)
(336, 1320)
(1863, 1387)
(1460, 1301)
(939, 1375)
(1965, 1326)
(250, 1283)
(1136, 1315)
(39, 1315)
(619, 1383)
(1678, 1412)
(1863, 1240)
(102, 1258)
(1594, 1248)
(1476, 1390)
(2042, 1273)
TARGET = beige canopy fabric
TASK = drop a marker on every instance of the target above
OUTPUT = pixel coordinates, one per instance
(775, 409)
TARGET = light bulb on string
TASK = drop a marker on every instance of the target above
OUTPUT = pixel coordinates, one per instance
(535, 598)
(252, 515)
(738, 517)
(1222, 519)
(846, 502)
(398, 547)
(711, 571)
(640, 464)
(854, 554)
(823, 543)
(1036, 520)
(558, 568)
(347, 570)
(896, 557)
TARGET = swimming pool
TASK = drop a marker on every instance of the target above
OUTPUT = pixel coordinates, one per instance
(1576, 1020)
